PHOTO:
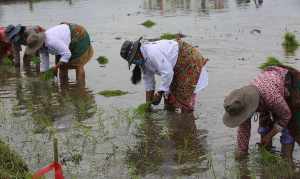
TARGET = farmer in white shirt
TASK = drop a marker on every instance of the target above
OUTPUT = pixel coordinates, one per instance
(177, 63)
(70, 42)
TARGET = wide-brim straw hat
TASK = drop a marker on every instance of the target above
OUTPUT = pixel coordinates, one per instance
(34, 42)
(240, 105)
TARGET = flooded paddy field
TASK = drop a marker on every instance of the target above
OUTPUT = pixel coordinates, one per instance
(106, 137)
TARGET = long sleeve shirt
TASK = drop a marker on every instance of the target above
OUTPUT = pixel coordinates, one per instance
(271, 87)
(58, 39)
(161, 57)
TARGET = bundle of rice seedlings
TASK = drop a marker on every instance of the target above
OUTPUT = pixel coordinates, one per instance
(290, 42)
(271, 61)
(148, 24)
(112, 93)
(35, 60)
(102, 60)
(48, 75)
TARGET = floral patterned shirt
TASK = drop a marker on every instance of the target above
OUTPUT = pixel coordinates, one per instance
(271, 86)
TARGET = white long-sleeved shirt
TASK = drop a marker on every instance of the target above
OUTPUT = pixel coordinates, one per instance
(161, 57)
(58, 39)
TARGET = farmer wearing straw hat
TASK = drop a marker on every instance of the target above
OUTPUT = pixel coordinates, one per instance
(275, 97)
(17, 35)
(177, 63)
(70, 42)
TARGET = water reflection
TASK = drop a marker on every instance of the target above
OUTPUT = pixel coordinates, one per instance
(30, 2)
(242, 3)
(45, 102)
(169, 147)
(187, 5)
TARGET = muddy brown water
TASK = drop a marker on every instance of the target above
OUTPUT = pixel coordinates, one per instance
(99, 137)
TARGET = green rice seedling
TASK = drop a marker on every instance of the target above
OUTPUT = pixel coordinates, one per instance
(168, 36)
(35, 60)
(272, 165)
(290, 43)
(48, 75)
(271, 61)
(102, 60)
(148, 24)
(7, 62)
(112, 93)
(211, 166)
(11, 164)
(142, 109)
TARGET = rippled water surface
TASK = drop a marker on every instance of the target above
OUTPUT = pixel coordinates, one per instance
(103, 137)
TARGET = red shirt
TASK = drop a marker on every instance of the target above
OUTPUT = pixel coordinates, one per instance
(5, 46)
(271, 87)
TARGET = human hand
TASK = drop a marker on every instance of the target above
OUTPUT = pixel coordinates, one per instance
(266, 140)
(157, 97)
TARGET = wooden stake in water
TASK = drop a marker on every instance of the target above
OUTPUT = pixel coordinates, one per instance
(55, 149)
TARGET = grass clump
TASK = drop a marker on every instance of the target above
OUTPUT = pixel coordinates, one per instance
(271, 61)
(11, 165)
(35, 60)
(290, 42)
(102, 60)
(112, 93)
(168, 36)
(148, 24)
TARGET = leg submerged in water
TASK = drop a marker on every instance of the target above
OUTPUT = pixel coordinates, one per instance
(80, 75)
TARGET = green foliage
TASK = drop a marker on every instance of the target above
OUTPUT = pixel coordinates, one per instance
(35, 60)
(168, 36)
(48, 75)
(11, 165)
(102, 60)
(142, 109)
(7, 61)
(148, 24)
(274, 166)
(271, 61)
(290, 42)
(112, 93)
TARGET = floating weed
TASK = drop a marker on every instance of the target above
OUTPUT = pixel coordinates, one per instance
(148, 24)
(271, 61)
(35, 60)
(112, 93)
(168, 36)
(102, 60)
(290, 42)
